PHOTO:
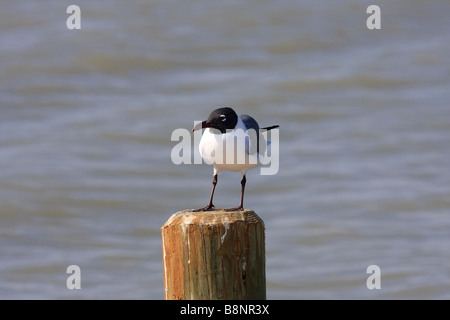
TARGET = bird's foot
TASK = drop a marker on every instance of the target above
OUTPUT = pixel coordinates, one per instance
(207, 208)
(234, 209)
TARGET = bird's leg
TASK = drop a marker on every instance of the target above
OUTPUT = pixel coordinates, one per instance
(210, 205)
(241, 204)
(243, 181)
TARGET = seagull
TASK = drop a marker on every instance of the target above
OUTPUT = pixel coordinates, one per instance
(225, 128)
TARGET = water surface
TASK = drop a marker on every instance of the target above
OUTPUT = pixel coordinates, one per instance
(87, 115)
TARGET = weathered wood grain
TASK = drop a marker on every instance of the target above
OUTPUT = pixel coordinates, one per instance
(214, 255)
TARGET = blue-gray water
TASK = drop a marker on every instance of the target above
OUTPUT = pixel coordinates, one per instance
(87, 115)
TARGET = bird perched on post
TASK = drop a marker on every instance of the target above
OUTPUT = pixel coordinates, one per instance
(239, 137)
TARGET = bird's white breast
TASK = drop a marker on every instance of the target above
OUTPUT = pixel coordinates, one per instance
(229, 151)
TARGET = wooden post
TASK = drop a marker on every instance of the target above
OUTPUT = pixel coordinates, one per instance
(214, 255)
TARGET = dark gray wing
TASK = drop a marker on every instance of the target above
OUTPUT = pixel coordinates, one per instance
(251, 123)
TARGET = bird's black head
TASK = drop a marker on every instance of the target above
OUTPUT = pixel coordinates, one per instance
(221, 119)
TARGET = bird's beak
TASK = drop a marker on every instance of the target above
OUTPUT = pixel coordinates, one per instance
(200, 125)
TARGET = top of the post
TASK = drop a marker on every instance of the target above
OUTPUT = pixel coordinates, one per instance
(218, 216)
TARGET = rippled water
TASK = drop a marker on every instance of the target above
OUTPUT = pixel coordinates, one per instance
(87, 115)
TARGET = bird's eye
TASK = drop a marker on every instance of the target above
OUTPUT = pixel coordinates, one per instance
(222, 116)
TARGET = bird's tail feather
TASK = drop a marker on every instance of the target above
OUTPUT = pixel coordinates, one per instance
(271, 127)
